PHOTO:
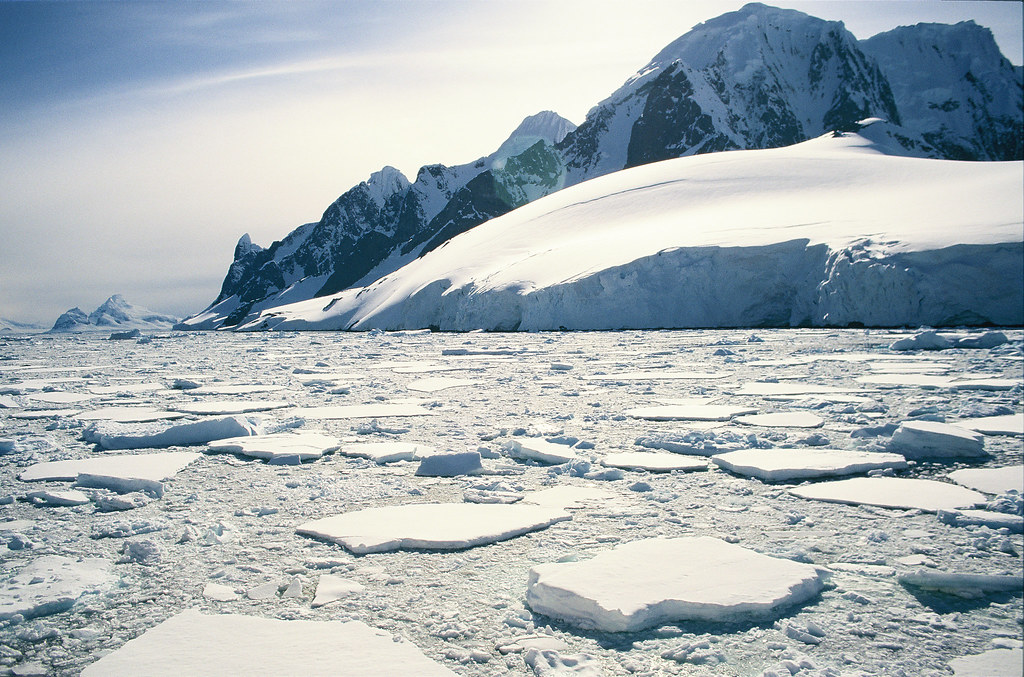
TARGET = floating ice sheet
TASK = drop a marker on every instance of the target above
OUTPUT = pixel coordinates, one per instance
(306, 445)
(648, 583)
(991, 480)
(51, 584)
(929, 439)
(241, 389)
(137, 472)
(385, 452)
(33, 414)
(953, 582)
(659, 375)
(331, 588)
(567, 497)
(984, 518)
(926, 381)
(788, 388)
(683, 412)
(124, 436)
(991, 663)
(893, 492)
(125, 388)
(433, 385)
(779, 465)
(128, 414)
(1010, 424)
(533, 449)
(362, 411)
(641, 460)
(783, 419)
(192, 643)
(60, 397)
(227, 407)
(986, 384)
(431, 526)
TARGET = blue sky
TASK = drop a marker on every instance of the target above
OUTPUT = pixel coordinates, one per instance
(141, 139)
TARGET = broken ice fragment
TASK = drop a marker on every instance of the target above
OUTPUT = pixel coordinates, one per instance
(220, 593)
(532, 449)
(1009, 424)
(330, 588)
(642, 460)
(435, 384)
(125, 436)
(137, 472)
(991, 663)
(928, 439)
(644, 584)
(362, 411)
(450, 465)
(58, 498)
(386, 452)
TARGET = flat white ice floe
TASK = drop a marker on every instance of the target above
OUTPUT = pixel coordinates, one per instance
(51, 584)
(385, 452)
(926, 381)
(331, 588)
(430, 526)
(642, 460)
(783, 419)
(305, 445)
(779, 465)
(362, 411)
(958, 582)
(137, 472)
(659, 375)
(60, 397)
(192, 643)
(128, 414)
(437, 383)
(542, 451)
(893, 492)
(568, 497)
(647, 583)
(235, 389)
(991, 663)
(1010, 424)
(226, 407)
(929, 439)
(692, 412)
(991, 480)
(123, 436)
(788, 388)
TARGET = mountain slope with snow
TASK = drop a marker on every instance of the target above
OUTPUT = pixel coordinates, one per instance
(828, 232)
(114, 314)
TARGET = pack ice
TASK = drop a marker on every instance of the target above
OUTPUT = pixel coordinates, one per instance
(192, 643)
(827, 232)
(779, 465)
(307, 445)
(893, 492)
(647, 583)
(51, 584)
(137, 472)
(124, 436)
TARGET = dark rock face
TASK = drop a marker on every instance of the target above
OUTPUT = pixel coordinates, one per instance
(759, 77)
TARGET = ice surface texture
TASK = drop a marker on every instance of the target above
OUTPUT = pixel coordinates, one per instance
(647, 583)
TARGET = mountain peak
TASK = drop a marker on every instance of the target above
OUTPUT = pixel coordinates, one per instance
(545, 125)
(386, 182)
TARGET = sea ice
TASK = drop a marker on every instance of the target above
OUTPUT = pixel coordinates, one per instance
(780, 465)
(651, 582)
(331, 588)
(659, 375)
(893, 492)
(58, 498)
(246, 389)
(991, 480)
(51, 584)
(568, 497)
(986, 384)
(430, 526)
(125, 388)
(362, 411)
(697, 412)
(533, 449)
(929, 439)
(984, 518)
(220, 593)
(432, 385)
(60, 397)
(770, 389)
(926, 381)
(192, 643)
(783, 419)
(386, 452)
(121, 436)
(962, 583)
(642, 460)
(450, 464)
(127, 414)
(137, 472)
(228, 407)
(306, 445)
(991, 663)
(1010, 424)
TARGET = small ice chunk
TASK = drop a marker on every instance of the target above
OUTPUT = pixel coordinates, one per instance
(925, 340)
(52, 584)
(125, 436)
(362, 411)
(647, 583)
(991, 663)
(642, 460)
(783, 419)
(551, 663)
(192, 643)
(386, 452)
(991, 480)
(694, 412)
(220, 593)
(331, 588)
(893, 492)
(450, 465)
(437, 383)
(533, 449)
(430, 526)
(929, 439)
(7, 445)
(305, 445)
(1009, 424)
(779, 465)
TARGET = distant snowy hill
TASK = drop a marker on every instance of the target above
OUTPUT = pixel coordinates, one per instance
(756, 78)
(115, 314)
(14, 327)
(829, 232)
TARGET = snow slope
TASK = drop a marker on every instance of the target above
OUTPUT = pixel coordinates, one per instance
(827, 232)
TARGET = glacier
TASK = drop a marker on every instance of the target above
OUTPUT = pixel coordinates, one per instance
(834, 231)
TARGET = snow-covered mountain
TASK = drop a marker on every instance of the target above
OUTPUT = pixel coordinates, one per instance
(760, 77)
(112, 315)
(829, 232)
(8, 326)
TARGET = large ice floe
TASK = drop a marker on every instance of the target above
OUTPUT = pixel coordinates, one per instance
(430, 526)
(991, 480)
(780, 465)
(893, 492)
(109, 435)
(929, 439)
(192, 643)
(827, 232)
(306, 445)
(51, 584)
(137, 472)
(647, 583)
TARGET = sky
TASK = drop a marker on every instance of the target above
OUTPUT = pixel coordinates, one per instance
(140, 140)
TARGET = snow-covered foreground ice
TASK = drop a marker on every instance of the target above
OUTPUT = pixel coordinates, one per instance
(191, 643)
(222, 538)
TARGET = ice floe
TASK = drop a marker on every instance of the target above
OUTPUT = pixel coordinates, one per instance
(53, 498)
(228, 407)
(192, 643)
(569, 497)
(235, 389)
(787, 388)
(929, 439)
(430, 526)
(1009, 424)
(779, 465)
(693, 412)
(783, 419)
(533, 449)
(137, 472)
(111, 435)
(300, 446)
(659, 375)
(643, 460)
(51, 584)
(385, 452)
(991, 480)
(651, 582)
(60, 397)
(984, 518)
(331, 588)
(450, 464)
(437, 383)
(128, 414)
(991, 663)
(893, 492)
(362, 411)
(961, 583)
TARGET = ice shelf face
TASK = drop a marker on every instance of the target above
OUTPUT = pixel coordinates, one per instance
(192, 643)
(430, 526)
(647, 583)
